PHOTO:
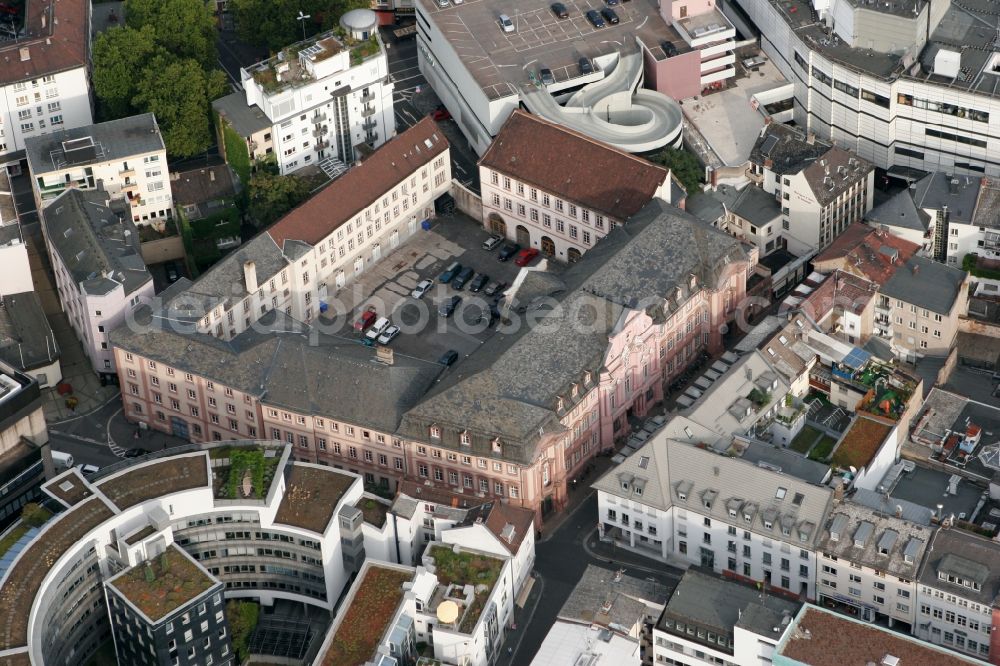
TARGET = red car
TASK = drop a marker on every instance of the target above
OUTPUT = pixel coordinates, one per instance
(367, 318)
(441, 113)
(525, 256)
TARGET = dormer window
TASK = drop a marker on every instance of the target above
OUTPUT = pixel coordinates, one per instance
(732, 513)
(638, 490)
(768, 524)
(435, 432)
(682, 495)
(785, 531)
(747, 518)
(625, 485)
(464, 439)
(496, 445)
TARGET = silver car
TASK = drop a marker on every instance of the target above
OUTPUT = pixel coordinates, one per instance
(422, 288)
(388, 334)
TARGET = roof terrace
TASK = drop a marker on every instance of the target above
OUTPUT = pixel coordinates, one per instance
(157, 478)
(163, 584)
(465, 578)
(298, 64)
(311, 496)
(862, 441)
(369, 611)
(24, 579)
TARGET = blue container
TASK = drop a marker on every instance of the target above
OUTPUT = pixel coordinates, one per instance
(426, 225)
(323, 307)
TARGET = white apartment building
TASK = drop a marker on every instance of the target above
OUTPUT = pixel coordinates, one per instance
(100, 275)
(861, 79)
(957, 594)
(317, 100)
(124, 158)
(712, 620)
(306, 257)
(867, 564)
(532, 201)
(43, 84)
(501, 530)
(677, 500)
(16, 277)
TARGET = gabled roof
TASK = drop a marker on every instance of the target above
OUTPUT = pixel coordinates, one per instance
(899, 211)
(840, 290)
(927, 284)
(58, 40)
(959, 193)
(395, 161)
(114, 140)
(615, 183)
(988, 204)
(784, 149)
(964, 555)
(202, 184)
(870, 253)
(756, 206)
(509, 524)
(834, 173)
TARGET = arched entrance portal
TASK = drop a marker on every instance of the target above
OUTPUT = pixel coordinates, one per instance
(548, 247)
(497, 225)
(573, 255)
(523, 237)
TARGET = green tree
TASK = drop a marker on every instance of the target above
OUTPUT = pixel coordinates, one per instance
(120, 56)
(242, 617)
(684, 166)
(272, 23)
(185, 28)
(270, 196)
(34, 514)
(179, 93)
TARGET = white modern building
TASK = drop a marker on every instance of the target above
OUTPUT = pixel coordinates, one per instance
(958, 592)
(124, 158)
(713, 620)
(820, 189)
(325, 99)
(530, 199)
(279, 539)
(889, 81)
(868, 562)
(16, 276)
(672, 499)
(100, 274)
(44, 84)
(306, 257)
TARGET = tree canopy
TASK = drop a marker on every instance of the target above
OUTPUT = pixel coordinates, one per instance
(270, 195)
(684, 166)
(274, 24)
(162, 61)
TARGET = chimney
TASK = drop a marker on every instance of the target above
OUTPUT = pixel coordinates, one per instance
(25, 54)
(811, 138)
(250, 276)
(768, 163)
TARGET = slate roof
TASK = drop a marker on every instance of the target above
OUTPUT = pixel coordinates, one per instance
(756, 206)
(787, 462)
(337, 203)
(959, 193)
(718, 604)
(63, 44)
(834, 173)
(619, 188)
(99, 247)
(26, 338)
(245, 119)
(927, 284)
(674, 470)
(988, 204)
(967, 555)
(905, 540)
(629, 598)
(115, 140)
(202, 184)
(900, 211)
(787, 149)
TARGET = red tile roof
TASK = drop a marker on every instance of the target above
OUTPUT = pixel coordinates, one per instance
(866, 252)
(839, 290)
(350, 194)
(58, 37)
(573, 166)
(834, 640)
(499, 516)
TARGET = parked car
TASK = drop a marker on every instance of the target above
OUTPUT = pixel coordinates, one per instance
(505, 23)
(508, 251)
(462, 278)
(422, 288)
(559, 9)
(495, 288)
(449, 273)
(585, 66)
(669, 49)
(441, 113)
(88, 470)
(611, 3)
(525, 256)
(377, 328)
(366, 319)
(448, 357)
(609, 15)
(492, 242)
(388, 334)
(442, 3)
(545, 76)
(478, 282)
(172, 273)
(135, 453)
(595, 18)
(448, 306)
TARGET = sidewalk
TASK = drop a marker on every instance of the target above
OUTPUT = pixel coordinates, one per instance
(521, 620)
(124, 435)
(576, 497)
(617, 554)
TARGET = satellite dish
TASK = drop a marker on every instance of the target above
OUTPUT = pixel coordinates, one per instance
(447, 612)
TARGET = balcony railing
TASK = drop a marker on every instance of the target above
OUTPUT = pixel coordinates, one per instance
(319, 117)
(320, 131)
(367, 111)
(369, 124)
(367, 98)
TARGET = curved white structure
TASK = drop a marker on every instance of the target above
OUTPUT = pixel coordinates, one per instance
(615, 109)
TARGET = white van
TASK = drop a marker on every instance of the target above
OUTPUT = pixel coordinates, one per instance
(62, 460)
(88, 470)
(377, 328)
(506, 24)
